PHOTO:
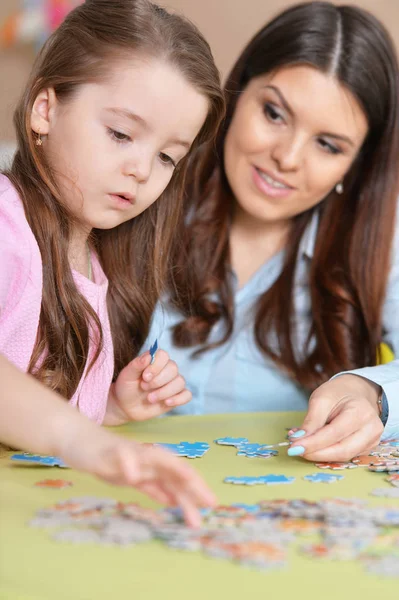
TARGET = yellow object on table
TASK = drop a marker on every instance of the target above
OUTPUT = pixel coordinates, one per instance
(386, 354)
(35, 567)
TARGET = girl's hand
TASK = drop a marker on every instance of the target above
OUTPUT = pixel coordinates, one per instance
(143, 391)
(153, 471)
(342, 421)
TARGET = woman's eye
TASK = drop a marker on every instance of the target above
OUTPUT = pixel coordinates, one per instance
(166, 159)
(328, 147)
(118, 136)
(271, 113)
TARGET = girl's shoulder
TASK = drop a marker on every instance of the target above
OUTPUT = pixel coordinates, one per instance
(21, 260)
(14, 228)
(11, 207)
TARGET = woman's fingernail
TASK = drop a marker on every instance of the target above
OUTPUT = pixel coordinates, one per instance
(147, 376)
(152, 397)
(298, 434)
(296, 451)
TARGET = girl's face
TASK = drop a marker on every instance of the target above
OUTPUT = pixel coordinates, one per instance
(293, 137)
(114, 145)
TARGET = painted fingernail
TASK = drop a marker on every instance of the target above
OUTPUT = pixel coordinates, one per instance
(298, 434)
(296, 451)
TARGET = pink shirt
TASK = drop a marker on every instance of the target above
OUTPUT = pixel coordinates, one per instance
(21, 296)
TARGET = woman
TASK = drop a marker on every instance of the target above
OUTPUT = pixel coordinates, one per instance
(289, 273)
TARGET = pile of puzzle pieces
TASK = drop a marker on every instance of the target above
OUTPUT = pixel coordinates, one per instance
(259, 535)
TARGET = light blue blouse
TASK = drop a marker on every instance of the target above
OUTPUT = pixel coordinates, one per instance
(237, 377)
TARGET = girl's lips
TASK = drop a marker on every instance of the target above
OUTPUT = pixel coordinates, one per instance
(122, 200)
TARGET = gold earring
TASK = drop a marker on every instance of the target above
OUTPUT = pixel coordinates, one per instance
(39, 141)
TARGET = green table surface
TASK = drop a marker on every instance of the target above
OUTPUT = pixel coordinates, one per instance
(34, 567)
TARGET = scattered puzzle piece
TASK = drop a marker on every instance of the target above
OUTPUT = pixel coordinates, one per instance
(153, 350)
(261, 453)
(193, 450)
(336, 466)
(261, 480)
(255, 451)
(248, 508)
(368, 460)
(386, 493)
(394, 479)
(186, 449)
(379, 468)
(248, 448)
(277, 479)
(36, 459)
(231, 441)
(244, 480)
(56, 484)
(323, 478)
(385, 566)
(390, 442)
(384, 451)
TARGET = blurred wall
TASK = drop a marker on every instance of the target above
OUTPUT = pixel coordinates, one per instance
(227, 24)
(15, 65)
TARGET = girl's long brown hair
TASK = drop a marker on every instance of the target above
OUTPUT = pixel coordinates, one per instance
(136, 255)
(350, 266)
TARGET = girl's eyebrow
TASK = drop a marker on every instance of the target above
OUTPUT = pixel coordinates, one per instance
(287, 107)
(123, 112)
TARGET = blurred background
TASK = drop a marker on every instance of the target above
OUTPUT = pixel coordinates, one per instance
(227, 24)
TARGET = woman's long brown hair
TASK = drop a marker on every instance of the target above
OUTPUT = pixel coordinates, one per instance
(136, 255)
(350, 266)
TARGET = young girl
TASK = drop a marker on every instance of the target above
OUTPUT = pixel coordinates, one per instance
(34, 418)
(290, 273)
(117, 98)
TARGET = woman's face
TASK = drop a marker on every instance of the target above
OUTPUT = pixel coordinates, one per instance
(294, 135)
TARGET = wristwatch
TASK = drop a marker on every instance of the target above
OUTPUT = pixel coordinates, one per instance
(379, 402)
(383, 408)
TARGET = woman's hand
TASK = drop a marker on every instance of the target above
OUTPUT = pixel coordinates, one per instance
(342, 421)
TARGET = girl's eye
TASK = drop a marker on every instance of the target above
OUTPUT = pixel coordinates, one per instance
(167, 160)
(328, 147)
(271, 113)
(118, 136)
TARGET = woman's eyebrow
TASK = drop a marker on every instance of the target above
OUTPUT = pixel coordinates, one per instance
(281, 97)
(337, 136)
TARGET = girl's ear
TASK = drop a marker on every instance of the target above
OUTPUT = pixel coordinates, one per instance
(43, 111)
